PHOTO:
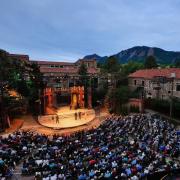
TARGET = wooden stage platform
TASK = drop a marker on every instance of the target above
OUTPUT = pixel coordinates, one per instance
(67, 118)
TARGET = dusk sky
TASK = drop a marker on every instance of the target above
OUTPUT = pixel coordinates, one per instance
(70, 29)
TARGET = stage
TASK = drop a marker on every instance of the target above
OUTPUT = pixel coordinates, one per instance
(67, 118)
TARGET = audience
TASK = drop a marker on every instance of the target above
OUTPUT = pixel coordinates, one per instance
(131, 147)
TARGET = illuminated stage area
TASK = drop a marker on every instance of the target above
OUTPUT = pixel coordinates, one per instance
(67, 118)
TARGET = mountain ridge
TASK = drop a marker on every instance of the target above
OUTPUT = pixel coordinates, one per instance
(139, 54)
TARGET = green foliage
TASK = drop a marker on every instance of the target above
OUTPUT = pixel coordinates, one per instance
(84, 81)
(176, 108)
(118, 98)
(15, 106)
(159, 105)
(82, 70)
(163, 66)
(131, 67)
(177, 63)
(5, 67)
(99, 94)
(123, 110)
(112, 65)
(35, 83)
(137, 93)
(150, 62)
(120, 72)
(14, 74)
(134, 109)
(163, 106)
(122, 94)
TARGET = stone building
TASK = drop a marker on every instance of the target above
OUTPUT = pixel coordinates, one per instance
(65, 74)
(156, 83)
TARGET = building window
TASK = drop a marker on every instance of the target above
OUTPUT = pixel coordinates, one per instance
(178, 87)
(142, 83)
(135, 82)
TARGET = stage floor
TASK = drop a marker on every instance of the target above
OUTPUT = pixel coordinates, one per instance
(66, 118)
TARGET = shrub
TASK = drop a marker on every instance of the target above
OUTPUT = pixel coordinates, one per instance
(134, 109)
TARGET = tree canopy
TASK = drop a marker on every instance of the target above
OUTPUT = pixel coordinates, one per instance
(84, 81)
(112, 64)
(118, 98)
(82, 70)
(21, 77)
(177, 63)
(150, 62)
(131, 67)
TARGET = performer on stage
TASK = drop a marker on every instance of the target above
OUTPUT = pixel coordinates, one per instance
(79, 115)
(57, 119)
(75, 114)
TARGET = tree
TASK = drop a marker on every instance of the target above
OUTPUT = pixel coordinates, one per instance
(35, 85)
(177, 63)
(82, 70)
(99, 93)
(150, 62)
(112, 64)
(84, 81)
(11, 72)
(118, 98)
(131, 67)
(6, 66)
(4, 74)
(26, 79)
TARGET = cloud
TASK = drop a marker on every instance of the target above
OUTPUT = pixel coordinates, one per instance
(68, 29)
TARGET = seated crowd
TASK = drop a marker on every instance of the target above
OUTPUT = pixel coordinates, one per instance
(133, 147)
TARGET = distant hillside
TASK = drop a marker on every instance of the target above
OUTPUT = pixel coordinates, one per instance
(140, 53)
(97, 57)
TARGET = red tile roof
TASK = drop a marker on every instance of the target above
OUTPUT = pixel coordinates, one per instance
(67, 70)
(151, 73)
(51, 62)
(58, 70)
